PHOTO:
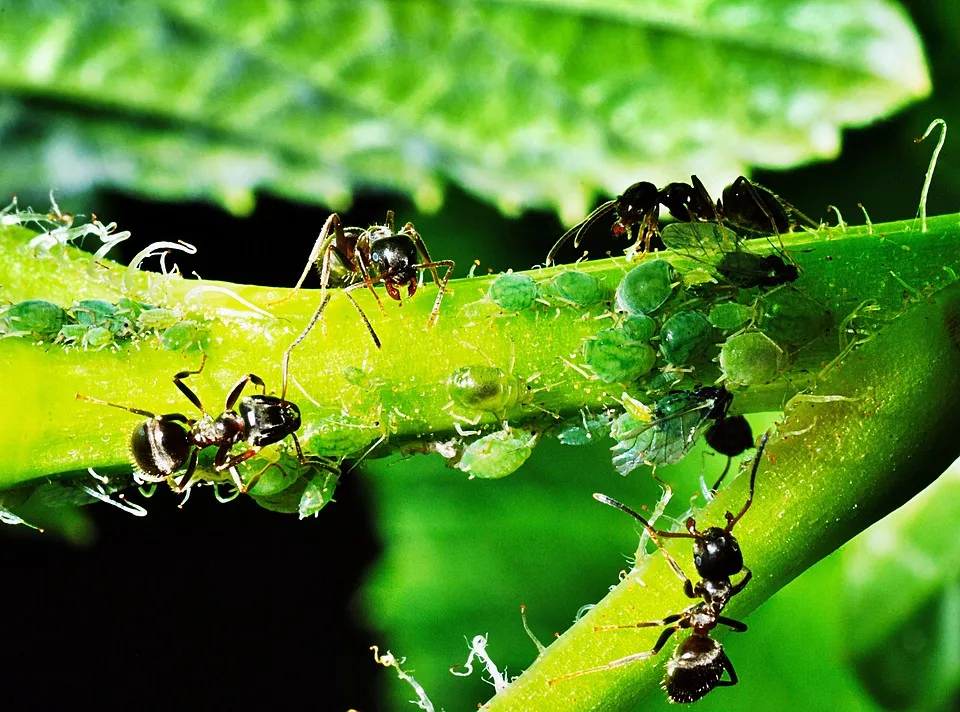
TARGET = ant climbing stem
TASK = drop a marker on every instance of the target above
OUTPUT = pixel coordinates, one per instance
(354, 258)
(699, 662)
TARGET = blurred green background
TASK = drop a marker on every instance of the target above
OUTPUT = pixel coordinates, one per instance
(238, 127)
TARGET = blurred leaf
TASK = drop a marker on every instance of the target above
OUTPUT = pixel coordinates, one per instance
(902, 601)
(462, 555)
(525, 103)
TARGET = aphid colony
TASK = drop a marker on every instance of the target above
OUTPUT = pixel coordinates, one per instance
(97, 324)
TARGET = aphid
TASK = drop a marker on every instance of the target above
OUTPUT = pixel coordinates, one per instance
(35, 318)
(354, 258)
(679, 418)
(513, 292)
(698, 663)
(163, 444)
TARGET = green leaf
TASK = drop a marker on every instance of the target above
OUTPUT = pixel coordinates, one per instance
(911, 562)
(526, 103)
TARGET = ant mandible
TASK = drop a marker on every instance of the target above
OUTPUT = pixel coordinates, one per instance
(162, 444)
(698, 663)
(355, 258)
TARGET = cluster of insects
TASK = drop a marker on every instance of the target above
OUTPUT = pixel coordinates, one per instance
(747, 208)
(97, 324)
(699, 662)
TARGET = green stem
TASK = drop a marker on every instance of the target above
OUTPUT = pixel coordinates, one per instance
(404, 397)
(871, 435)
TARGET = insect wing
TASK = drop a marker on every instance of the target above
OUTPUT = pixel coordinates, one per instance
(683, 416)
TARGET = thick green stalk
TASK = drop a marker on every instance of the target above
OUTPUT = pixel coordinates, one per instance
(402, 395)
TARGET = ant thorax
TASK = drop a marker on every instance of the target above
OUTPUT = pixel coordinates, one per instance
(226, 428)
(715, 592)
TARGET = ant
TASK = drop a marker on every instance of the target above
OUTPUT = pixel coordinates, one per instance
(698, 663)
(163, 444)
(355, 258)
(744, 205)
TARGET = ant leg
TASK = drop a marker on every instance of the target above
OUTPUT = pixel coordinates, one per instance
(716, 485)
(296, 342)
(185, 389)
(578, 230)
(238, 389)
(363, 254)
(732, 520)
(428, 262)
(138, 411)
(728, 666)
(321, 246)
(442, 286)
(751, 189)
(661, 641)
(366, 321)
(191, 468)
(742, 583)
(220, 466)
(735, 626)
(669, 620)
(655, 534)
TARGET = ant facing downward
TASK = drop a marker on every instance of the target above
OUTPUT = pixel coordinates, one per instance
(163, 444)
(744, 205)
(356, 258)
(698, 663)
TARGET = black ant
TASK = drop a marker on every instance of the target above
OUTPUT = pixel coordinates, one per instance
(745, 205)
(356, 258)
(163, 444)
(698, 663)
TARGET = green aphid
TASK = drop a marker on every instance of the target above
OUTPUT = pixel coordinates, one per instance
(789, 317)
(158, 318)
(125, 323)
(731, 316)
(639, 327)
(498, 454)
(356, 377)
(513, 292)
(585, 428)
(339, 436)
(97, 337)
(751, 359)
(318, 493)
(186, 335)
(577, 288)
(270, 473)
(94, 312)
(34, 317)
(484, 388)
(614, 357)
(646, 287)
(684, 337)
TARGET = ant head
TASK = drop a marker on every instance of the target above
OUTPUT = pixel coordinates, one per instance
(695, 669)
(160, 447)
(268, 419)
(394, 258)
(716, 554)
(637, 202)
